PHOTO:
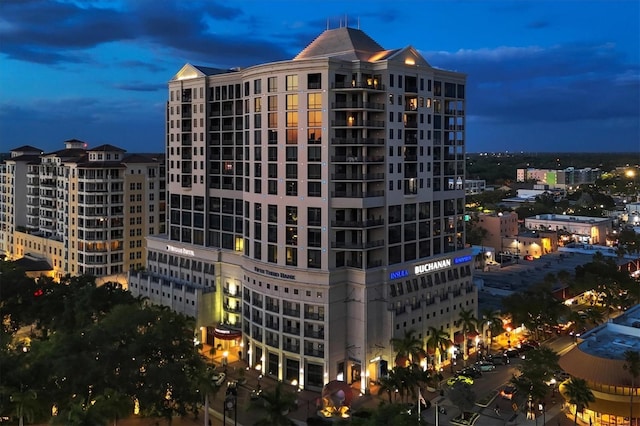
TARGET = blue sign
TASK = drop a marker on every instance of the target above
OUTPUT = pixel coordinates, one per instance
(398, 274)
(462, 259)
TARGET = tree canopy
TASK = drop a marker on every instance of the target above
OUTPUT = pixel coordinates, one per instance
(93, 353)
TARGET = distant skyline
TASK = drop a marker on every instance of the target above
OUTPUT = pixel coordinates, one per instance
(543, 76)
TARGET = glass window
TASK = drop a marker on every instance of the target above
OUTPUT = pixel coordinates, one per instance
(314, 100)
(292, 102)
(292, 82)
(272, 84)
(257, 104)
(314, 118)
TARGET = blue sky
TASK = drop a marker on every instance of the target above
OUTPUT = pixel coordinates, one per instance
(543, 76)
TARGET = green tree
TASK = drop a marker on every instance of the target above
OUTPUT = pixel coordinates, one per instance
(438, 341)
(25, 405)
(632, 365)
(409, 349)
(277, 404)
(579, 395)
(467, 322)
(536, 370)
(462, 396)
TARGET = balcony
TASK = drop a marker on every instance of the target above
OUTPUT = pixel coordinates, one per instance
(356, 245)
(357, 194)
(357, 159)
(373, 85)
(273, 325)
(291, 312)
(231, 308)
(314, 316)
(291, 330)
(358, 176)
(357, 141)
(318, 353)
(315, 334)
(358, 105)
(358, 123)
(291, 347)
(357, 224)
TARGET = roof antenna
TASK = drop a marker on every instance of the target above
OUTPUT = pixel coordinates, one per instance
(327, 24)
(346, 20)
(358, 22)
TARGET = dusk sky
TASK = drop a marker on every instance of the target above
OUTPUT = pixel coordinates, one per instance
(554, 76)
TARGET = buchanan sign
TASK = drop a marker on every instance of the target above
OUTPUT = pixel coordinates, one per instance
(432, 266)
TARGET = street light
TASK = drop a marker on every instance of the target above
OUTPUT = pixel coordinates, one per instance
(477, 353)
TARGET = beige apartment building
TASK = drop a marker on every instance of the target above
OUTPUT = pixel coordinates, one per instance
(500, 226)
(80, 210)
(316, 208)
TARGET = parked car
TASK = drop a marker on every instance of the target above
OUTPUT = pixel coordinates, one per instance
(452, 381)
(507, 392)
(511, 353)
(495, 359)
(219, 378)
(485, 366)
(472, 372)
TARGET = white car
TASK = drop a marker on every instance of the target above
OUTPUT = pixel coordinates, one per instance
(485, 366)
(219, 378)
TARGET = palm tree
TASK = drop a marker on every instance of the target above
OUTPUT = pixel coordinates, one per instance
(438, 340)
(25, 405)
(491, 319)
(408, 347)
(277, 405)
(632, 365)
(579, 394)
(467, 323)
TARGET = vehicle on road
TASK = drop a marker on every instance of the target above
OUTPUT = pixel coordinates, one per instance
(511, 353)
(464, 379)
(255, 394)
(507, 392)
(495, 359)
(219, 378)
(471, 371)
(485, 366)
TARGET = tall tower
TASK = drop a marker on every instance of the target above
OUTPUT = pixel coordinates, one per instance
(315, 208)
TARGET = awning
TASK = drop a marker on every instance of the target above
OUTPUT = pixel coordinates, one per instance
(226, 334)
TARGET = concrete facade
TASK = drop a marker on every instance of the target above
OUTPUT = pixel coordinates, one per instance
(325, 196)
(82, 210)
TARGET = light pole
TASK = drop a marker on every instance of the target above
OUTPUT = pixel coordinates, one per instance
(541, 407)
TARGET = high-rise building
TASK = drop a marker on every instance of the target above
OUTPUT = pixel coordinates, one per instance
(81, 210)
(315, 208)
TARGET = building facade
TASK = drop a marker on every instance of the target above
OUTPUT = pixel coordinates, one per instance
(84, 210)
(581, 229)
(599, 358)
(316, 208)
(564, 178)
(499, 226)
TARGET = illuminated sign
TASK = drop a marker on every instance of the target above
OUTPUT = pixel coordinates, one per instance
(398, 274)
(274, 274)
(181, 250)
(462, 259)
(432, 266)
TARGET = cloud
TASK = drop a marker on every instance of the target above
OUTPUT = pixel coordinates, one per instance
(567, 83)
(140, 87)
(84, 118)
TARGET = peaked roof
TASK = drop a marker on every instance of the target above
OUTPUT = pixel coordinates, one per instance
(194, 71)
(106, 147)
(27, 148)
(345, 43)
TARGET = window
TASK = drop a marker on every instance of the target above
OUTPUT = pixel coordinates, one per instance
(313, 216)
(257, 87)
(292, 120)
(273, 120)
(292, 215)
(292, 187)
(292, 171)
(314, 171)
(257, 104)
(292, 256)
(314, 153)
(292, 82)
(314, 81)
(314, 118)
(314, 189)
(292, 102)
(272, 103)
(272, 187)
(272, 84)
(314, 237)
(272, 253)
(314, 259)
(291, 153)
(314, 100)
